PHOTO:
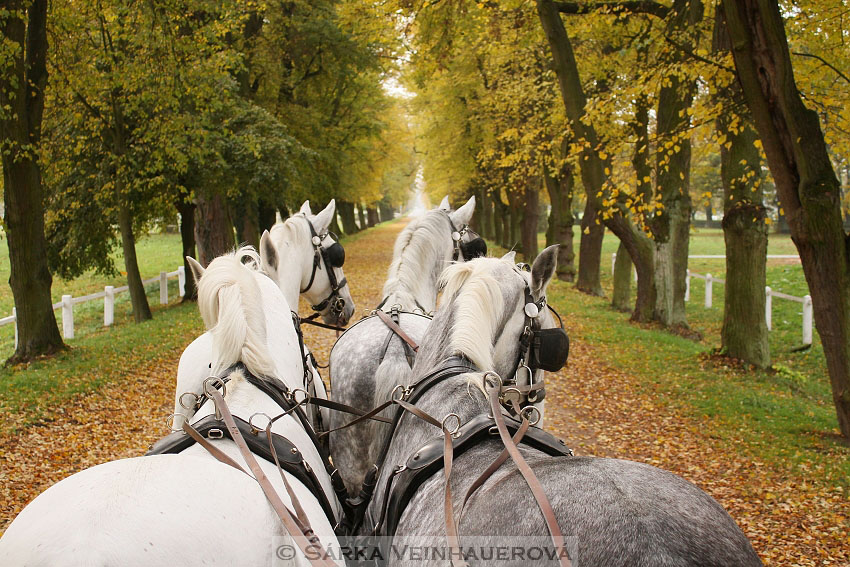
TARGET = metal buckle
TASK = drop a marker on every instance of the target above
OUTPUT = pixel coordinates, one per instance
(215, 434)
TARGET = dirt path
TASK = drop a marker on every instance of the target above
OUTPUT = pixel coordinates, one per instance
(598, 410)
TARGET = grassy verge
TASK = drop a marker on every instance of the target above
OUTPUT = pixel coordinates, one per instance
(782, 417)
(36, 391)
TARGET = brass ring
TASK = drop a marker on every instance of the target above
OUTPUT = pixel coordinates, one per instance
(401, 396)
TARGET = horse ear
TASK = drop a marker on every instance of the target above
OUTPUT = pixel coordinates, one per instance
(322, 221)
(444, 204)
(543, 270)
(463, 214)
(510, 257)
(197, 269)
(268, 253)
(305, 208)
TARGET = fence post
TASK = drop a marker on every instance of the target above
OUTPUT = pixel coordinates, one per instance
(807, 319)
(708, 280)
(635, 271)
(687, 285)
(768, 307)
(108, 306)
(67, 317)
(181, 281)
(163, 288)
(15, 315)
(613, 261)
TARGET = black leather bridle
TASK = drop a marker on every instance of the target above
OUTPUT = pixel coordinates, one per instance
(332, 257)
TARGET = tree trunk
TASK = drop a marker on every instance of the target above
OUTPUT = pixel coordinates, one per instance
(671, 228)
(361, 216)
(213, 228)
(186, 208)
(590, 252)
(621, 298)
(138, 298)
(744, 333)
(23, 79)
(486, 214)
(346, 213)
(529, 222)
(247, 223)
(515, 207)
(594, 179)
(267, 216)
(372, 216)
(561, 220)
(386, 212)
(805, 181)
(498, 219)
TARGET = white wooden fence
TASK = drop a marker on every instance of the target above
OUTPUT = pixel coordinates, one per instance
(108, 295)
(710, 280)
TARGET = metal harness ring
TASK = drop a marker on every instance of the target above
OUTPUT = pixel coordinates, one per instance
(527, 411)
(254, 428)
(402, 396)
(454, 432)
(195, 401)
(170, 419)
(294, 397)
(211, 384)
(496, 380)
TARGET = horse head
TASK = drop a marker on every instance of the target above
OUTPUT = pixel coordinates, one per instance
(305, 258)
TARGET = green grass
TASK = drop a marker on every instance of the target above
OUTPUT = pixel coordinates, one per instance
(29, 394)
(156, 253)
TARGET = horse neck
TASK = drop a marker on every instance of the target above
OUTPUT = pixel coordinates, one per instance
(282, 339)
(413, 274)
(294, 263)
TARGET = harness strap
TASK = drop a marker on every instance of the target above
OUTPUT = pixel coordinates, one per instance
(213, 450)
(369, 415)
(299, 511)
(303, 537)
(338, 406)
(397, 330)
(448, 453)
(530, 478)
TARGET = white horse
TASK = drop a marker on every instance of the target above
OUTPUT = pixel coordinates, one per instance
(292, 260)
(188, 508)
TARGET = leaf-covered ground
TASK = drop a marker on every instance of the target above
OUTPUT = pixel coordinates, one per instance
(790, 519)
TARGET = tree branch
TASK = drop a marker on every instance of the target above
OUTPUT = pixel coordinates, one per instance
(625, 7)
(824, 61)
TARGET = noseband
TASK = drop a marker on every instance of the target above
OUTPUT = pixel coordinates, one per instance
(332, 256)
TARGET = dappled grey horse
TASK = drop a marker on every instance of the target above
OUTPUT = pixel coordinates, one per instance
(610, 511)
(366, 362)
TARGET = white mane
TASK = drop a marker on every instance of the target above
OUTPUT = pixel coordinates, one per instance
(230, 303)
(291, 232)
(420, 247)
(478, 306)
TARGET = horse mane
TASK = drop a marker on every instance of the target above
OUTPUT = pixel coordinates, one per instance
(477, 307)
(421, 244)
(290, 232)
(231, 306)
